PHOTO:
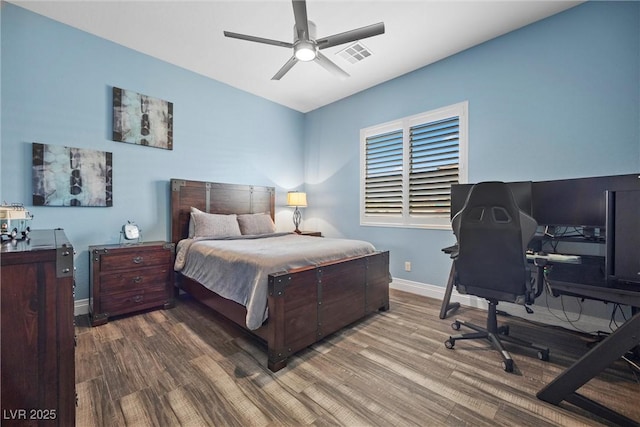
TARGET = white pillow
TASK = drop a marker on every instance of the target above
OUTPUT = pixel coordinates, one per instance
(252, 224)
(213, 225)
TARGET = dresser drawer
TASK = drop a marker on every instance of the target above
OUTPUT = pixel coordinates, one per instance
(119, 260)
(147, 278)
(133, 300)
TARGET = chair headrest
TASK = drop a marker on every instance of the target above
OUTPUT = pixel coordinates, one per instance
(492, 202)
(492, 193)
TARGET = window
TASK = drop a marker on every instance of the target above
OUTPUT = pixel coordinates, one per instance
(407, 167)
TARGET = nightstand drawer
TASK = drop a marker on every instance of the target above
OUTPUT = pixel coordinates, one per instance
(133, 300)
(134, 259)
(148, 278)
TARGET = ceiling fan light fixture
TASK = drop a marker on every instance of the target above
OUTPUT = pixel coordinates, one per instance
(306, 47)
(305, 50)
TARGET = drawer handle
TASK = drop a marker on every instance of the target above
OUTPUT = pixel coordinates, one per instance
(137, 298)
(138, 260)
(137, 279)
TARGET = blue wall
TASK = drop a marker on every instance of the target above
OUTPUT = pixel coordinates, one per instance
(557, 99)
(56, 89)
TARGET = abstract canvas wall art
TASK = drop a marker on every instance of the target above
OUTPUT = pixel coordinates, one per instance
(141, 119)
(66, 176)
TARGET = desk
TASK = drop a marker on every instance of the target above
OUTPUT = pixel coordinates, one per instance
(611, 202)
(564, 386)
(612, 348)
(578, 276)
(587, 281)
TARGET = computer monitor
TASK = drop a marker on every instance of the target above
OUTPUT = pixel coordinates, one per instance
(522, 192)
(577, 202)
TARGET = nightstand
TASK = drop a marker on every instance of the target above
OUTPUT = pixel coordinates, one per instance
(311, 233)
(127, 278)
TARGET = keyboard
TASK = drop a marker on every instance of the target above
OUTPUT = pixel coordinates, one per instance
(555, 258)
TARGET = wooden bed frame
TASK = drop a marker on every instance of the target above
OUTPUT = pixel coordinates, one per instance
(305, 305)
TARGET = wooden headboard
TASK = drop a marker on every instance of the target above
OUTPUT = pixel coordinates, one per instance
(215, 197)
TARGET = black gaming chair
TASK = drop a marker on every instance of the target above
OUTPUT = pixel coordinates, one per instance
(492, 234)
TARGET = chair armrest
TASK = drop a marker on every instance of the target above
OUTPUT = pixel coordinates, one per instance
(450, 249)
(536, 285)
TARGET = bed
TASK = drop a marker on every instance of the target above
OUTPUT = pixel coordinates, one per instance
(304, 304)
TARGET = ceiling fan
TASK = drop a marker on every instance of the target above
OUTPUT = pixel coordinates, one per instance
(305, 45)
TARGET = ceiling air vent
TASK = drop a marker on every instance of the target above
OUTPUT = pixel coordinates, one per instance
(355, 53)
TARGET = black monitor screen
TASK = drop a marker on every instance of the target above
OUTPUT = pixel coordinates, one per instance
(521, 193)
(568, 202)
(577, 202)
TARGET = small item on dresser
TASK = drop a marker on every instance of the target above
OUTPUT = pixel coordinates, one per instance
(131, 231)
(14, 221)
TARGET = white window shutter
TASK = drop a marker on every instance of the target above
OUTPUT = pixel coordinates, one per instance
(383, 175)
(434, 160)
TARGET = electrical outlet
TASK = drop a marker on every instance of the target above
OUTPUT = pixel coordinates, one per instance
(407, 266)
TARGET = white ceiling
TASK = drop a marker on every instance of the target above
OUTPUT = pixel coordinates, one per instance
(190, 34)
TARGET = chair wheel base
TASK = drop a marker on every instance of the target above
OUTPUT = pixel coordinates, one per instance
(495, 335)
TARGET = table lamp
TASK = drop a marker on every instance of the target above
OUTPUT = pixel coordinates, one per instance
(299, 200)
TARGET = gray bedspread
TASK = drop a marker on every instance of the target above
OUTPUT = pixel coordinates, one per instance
(238, 268)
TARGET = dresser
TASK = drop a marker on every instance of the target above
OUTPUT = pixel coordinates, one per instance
(126, 278)
(37, 330)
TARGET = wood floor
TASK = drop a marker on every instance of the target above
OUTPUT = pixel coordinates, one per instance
(187, 367)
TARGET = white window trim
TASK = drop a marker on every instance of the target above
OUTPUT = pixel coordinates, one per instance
(407, 221)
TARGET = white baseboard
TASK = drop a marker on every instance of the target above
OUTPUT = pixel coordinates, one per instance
(436, 292)
(81, 307)
(542, 312)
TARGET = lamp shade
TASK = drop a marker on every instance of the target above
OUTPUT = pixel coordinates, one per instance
(297, 198)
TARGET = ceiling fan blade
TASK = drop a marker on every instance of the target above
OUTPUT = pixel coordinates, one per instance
(257, 39)
(330, 66)
(351, 36)
(286, 67)
(302, 22)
